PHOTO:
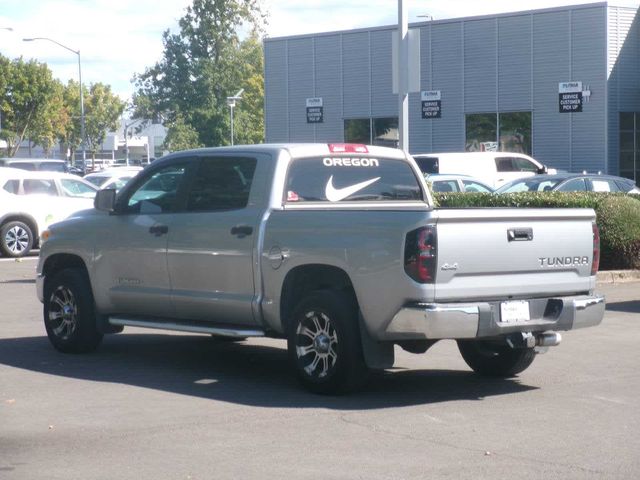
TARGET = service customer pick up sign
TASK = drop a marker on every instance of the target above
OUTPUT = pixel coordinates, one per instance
(570, 94)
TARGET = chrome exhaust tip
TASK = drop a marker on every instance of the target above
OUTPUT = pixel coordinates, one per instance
(548, 339)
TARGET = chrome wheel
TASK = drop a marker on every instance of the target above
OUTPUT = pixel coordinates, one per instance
(17, 240)
(316, 344)
(63, 313)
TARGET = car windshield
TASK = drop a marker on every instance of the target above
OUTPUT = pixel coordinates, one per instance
(530, 185)
(75, 188)
(96, 180)
(52, 167)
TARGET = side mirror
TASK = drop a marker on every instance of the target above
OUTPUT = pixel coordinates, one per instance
(105, 200)
(543, 169)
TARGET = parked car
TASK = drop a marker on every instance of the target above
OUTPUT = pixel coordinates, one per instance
(571, 182)
(115, 178)
(492, 168)
(31, 201)
(336, 248)
(457, 183)
(35, 164)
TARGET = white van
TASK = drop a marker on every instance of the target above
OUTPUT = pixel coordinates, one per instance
(493, 168)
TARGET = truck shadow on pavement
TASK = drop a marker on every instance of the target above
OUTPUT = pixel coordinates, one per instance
(631, 306)
(245, 373)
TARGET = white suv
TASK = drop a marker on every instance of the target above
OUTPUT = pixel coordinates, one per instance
(493, 168)
(30, 201)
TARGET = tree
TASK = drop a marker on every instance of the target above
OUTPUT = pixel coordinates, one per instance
(202, 65)
(53, 121)
(181, 136)
(102, 111)
(26, 90)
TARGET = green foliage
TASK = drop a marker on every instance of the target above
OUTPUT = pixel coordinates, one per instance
(102, 111)
(617, 216)
(181, 136)
(202, 65)
(619, 222)
(26, 90)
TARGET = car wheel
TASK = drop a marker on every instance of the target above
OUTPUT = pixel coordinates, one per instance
(16, 239)
(494, 360)
(69, 312)
(324, 343)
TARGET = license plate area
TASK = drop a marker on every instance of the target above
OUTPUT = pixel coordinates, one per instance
(514, 311)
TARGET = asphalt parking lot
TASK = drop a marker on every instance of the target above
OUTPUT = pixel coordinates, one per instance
(149, 405)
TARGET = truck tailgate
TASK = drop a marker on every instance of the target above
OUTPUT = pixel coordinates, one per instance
(513, 253)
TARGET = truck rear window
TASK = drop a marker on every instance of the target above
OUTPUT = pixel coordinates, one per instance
(351, 178)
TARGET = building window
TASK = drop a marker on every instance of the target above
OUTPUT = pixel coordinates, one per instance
(481, 132)
(357, 130)
(372, 131)
(385, 132)
(629, 163)
(505, 132)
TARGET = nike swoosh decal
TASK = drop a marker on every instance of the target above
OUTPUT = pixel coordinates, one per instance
(334, 194)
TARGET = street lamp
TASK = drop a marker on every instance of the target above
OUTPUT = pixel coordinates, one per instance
(231, 101)
(82, 126)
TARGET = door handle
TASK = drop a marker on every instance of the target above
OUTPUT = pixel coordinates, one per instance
(520, 234)
(159, 230)
(241, 230)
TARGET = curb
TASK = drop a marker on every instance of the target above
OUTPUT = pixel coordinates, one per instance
(618, 276)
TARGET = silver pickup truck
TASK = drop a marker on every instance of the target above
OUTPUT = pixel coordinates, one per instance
(336, 248)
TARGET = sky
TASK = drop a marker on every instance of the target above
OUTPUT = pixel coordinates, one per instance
(119, 38)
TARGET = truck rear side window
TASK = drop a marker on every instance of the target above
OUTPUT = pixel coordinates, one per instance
(336, 179)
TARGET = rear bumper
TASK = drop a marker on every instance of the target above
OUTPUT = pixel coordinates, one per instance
(482, 320)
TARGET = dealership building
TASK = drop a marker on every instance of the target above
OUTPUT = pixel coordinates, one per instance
(560, 84)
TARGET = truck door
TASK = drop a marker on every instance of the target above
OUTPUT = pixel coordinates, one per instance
(131, 248)
(212, 243)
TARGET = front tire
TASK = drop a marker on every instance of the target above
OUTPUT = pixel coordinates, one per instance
(69, 312)
(493, 360)
(16, 239)
(324, 343)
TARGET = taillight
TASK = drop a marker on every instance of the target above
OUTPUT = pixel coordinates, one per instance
(420, 259)
(596, 249)
(347, 148)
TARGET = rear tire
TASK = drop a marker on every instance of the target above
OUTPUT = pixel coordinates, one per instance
(69, 312)
(16, 239)
(324, 343)
(494, 360)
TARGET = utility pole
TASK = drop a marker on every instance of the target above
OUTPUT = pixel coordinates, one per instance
(403, 77)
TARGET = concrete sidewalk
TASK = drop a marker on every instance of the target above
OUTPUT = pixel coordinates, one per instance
(618, 276)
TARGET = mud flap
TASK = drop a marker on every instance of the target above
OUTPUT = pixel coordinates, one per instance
(377, 355)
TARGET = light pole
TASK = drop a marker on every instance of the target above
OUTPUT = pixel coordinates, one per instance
(82, 126)
(231, 101)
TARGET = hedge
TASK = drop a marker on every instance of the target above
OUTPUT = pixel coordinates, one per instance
(617, 216)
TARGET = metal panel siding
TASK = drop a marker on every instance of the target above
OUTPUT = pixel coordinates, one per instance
(447, 64)
(301, 82)
(329, 87)
(383, 102)
(589, 65)
(551, 65)
(420, 130)
(623, 69)
(480, 66)
(275, 88)
(356, 70)
(514, 63)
